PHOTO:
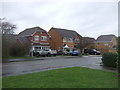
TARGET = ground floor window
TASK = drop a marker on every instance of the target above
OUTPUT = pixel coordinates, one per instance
(40, 48)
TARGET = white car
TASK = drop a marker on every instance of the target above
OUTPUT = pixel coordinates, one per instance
(45, 52)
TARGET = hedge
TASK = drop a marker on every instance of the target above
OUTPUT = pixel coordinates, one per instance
(110, 59)
(118, 62)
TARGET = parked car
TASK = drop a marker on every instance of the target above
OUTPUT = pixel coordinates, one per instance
(75, 53)
(45, 52)
(63, 53)
(60, 53)
(66, 53)
(95, 52)
(52, 52)
(92, 51)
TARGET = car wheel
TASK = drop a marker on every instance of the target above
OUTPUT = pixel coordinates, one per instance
(37, 55)
(48, 55)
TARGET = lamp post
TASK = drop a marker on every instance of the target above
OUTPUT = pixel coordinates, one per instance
(32, 49)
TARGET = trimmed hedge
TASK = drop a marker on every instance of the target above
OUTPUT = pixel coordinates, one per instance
(110, 59)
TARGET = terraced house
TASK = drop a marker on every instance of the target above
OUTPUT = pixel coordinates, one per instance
(36, 37)
(63, 38)
(106, 43)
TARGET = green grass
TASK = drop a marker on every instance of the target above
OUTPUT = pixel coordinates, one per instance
(75, 77)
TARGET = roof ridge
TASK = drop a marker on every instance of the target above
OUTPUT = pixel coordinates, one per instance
(108, 35)
(34, 28)
(30, 31)
(63, 29)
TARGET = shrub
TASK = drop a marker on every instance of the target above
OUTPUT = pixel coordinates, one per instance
(19, 50)
(118, 62)
(109, 59)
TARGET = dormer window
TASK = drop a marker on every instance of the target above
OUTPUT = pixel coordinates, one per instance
(70, 40)
(43, 38)
(36, 37)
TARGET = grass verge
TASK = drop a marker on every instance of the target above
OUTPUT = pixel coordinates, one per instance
(75, 77)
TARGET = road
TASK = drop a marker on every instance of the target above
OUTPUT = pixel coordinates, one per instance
(48, 63)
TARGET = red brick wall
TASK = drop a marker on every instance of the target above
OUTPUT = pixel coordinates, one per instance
(56, 40)
(41, 34)
(101, 47)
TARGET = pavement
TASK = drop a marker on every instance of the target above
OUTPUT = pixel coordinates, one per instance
(23, 66)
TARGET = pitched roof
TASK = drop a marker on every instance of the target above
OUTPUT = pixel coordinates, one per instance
(89, 39)
(30, 31)
(105, 38)
(66, 33)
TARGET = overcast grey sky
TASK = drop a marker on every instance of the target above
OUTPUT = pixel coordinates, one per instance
(90, 19)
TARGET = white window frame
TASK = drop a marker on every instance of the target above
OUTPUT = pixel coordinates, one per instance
(36, 37)
(64, 39)
(106, 44)
(77, 40)
(43, 38)
(70, 40)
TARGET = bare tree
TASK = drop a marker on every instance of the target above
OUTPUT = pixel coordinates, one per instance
(7, 30)
(82, 45)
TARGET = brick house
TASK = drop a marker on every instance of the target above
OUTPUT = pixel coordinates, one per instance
(63, 38)
(36, 37)
(106, 43)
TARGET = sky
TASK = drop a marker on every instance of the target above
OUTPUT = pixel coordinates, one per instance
(89, 19)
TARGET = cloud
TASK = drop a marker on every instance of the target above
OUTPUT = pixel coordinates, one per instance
(87, 18)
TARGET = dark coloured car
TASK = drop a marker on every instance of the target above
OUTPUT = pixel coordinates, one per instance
(92, 51)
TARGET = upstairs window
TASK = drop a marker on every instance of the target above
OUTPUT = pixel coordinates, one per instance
(64, 39)
(77, 40)
(70, 40)
(36, 37)
(97, 44)
(106, 44)
(43, 38)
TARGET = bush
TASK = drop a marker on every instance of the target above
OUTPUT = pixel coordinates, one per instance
(118, 62)
(19, 50)
(109, 59)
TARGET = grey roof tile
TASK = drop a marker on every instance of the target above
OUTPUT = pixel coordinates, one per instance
(66, 33)
(89, 39)
(105, 38)
(30, 31)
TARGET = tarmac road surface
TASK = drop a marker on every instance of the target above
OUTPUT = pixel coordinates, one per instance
(48, 63)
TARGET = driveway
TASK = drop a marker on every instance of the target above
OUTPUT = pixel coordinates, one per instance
(48, 63)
